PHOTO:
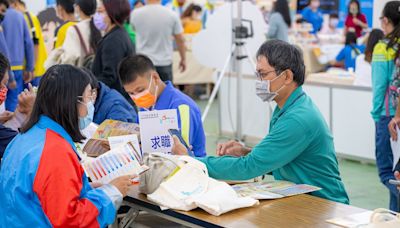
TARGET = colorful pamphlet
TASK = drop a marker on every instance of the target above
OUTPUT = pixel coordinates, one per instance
(115, 128)
(124, 160)
(272, 189)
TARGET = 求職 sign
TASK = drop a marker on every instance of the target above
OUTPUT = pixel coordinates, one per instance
(154, 126)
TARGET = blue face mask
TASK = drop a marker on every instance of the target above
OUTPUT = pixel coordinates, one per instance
(85, 121)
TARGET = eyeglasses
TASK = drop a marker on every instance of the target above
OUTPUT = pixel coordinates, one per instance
(260, 75)
(91, 98)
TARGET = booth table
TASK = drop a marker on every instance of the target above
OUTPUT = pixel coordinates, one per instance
(297, 211)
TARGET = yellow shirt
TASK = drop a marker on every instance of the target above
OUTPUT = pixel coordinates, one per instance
(41, 49)
(62, 32)
(192, 26)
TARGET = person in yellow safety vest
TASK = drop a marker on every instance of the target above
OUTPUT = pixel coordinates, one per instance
(40, 52)
(142, 82)
(65, 11)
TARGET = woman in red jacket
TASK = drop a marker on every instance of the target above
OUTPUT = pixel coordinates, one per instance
(355, 20)
(42, 183)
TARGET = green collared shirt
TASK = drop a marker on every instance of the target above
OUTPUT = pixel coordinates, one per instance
(299, 148)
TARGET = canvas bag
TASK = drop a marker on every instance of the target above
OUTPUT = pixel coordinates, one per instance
(161, 166)
(190, 187)
(383, 218)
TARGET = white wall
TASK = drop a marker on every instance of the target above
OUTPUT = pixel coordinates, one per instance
(35, 6)
(378, 6)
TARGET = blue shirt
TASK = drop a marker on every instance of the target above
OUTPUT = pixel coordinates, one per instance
(5, 52)
(18, 39)
(349, 54)
(110, 104)
(314, 18)
(188, 113)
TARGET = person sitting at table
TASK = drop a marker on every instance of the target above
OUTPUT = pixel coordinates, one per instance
(142, 82)
(42, 183)
(363, 61)
(109, 103)
(299, 147)
(313, 15)
(332, 27)
(349, 52)
(355, 20)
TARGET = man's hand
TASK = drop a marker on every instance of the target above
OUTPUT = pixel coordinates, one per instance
(178, 148)
(123, 183)
(12, 84)
(26, 99)
(397, 176)
(28, 76)
(6, 116)
(232, 148)
(393, 125)
(182, 65)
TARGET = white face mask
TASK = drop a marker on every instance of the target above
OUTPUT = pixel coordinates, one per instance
(263, 89)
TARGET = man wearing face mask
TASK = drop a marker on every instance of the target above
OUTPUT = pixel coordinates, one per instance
(142, 82)
(299, 147)
(331, 28)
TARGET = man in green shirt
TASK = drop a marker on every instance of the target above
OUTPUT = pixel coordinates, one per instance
(299, 147)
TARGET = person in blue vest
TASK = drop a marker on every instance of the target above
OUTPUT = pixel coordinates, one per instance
(142, 82)
(109, 103)
(313, 15)
(21, 53)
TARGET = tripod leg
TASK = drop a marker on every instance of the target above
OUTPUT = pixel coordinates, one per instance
(217, 85)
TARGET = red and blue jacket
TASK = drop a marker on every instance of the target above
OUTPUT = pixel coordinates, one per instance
(42, 183)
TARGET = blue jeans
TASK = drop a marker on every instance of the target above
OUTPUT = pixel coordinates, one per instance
(12, 94)
(384, 159)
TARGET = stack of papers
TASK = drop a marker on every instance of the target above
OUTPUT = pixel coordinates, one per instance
(272, 189)
(354, 220)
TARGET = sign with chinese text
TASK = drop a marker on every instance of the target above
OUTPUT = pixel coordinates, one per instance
(154, 126)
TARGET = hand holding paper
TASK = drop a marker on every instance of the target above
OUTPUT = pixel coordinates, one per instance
(395, 144)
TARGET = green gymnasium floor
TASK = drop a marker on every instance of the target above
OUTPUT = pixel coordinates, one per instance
(361, 180)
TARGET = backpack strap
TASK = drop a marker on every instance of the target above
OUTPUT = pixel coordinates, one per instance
(85, 49)
(32, 28)
(387, 101)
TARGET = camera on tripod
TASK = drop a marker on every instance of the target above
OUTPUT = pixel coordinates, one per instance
(244, 31)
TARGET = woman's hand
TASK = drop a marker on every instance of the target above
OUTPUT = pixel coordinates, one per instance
(6, 116)
(123, 183)
(393, 125)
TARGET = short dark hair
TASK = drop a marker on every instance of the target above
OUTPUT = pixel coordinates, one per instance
(117, 10)
(4, 66)
(5, 2)
(284, 56)
(333, 15)
(282, 7)
(133, 66)
(57, 98)
(351, 38)
(67, 5)
(88, 7)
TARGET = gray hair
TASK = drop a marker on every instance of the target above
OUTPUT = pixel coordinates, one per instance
(284, 56)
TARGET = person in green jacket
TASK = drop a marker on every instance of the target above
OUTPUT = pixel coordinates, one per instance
(299, 147)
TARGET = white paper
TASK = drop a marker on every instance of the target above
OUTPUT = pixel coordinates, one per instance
(154, 126)
(395, 149)
(117, 141)
(353, 220)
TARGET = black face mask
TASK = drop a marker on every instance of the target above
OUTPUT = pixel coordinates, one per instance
(1, 17)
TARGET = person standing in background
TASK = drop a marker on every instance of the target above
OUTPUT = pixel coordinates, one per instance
(279, 21)
(313, 15)
(20, 46)
(114, 46)
(355, 20)
(383, 67)
(40, 52)
(153, 36)
(191, 19)
(363, 61)
(65, 11)
(82, 38)
(3, 44)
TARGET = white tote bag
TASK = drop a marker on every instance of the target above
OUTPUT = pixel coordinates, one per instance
(191, 187)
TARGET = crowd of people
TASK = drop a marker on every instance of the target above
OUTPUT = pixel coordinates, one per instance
(109, 62)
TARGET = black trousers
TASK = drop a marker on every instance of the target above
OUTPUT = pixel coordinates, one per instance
(165, 72)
